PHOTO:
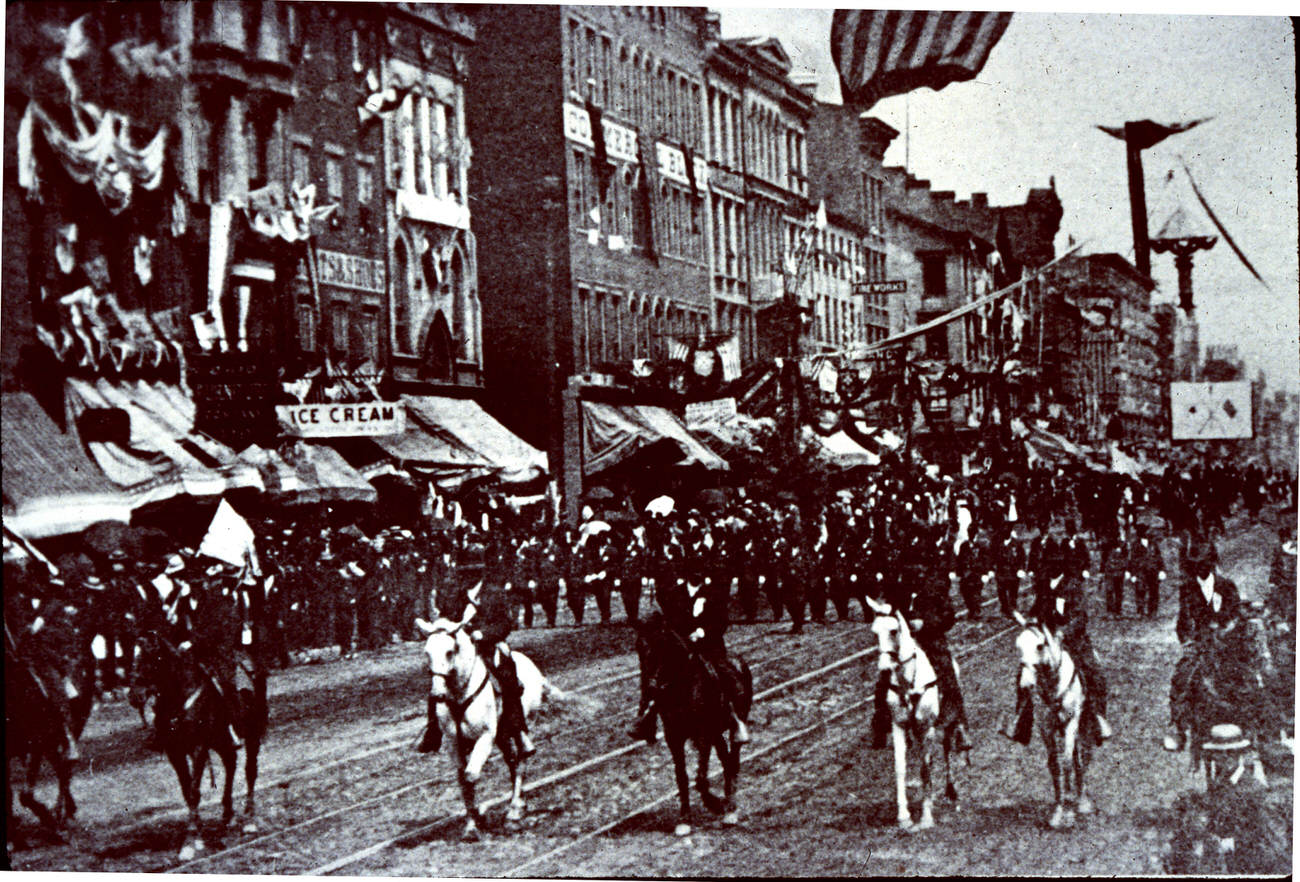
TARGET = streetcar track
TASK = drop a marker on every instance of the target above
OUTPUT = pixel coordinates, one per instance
(782, 742)
(573, 771)
(761, 636)
(552, 778)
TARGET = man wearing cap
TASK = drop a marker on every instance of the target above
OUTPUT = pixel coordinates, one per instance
(1062, 607)
(1207, 600)
(930, 616)
(490, 613)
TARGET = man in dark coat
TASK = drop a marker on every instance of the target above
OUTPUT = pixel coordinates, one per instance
(1062, 607)
(1282, 577)
(930, 616)
(1207, 600)
(1009, 567)
(1147, 568)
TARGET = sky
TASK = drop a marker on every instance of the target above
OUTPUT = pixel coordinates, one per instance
(1030, 116)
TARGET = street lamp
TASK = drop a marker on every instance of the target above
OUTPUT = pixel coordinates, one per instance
(1177, 237)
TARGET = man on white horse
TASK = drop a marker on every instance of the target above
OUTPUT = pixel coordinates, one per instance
(491, 616)
(1061, 607)
(931, 617)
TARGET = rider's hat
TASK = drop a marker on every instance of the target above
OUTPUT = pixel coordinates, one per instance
(1226, 737)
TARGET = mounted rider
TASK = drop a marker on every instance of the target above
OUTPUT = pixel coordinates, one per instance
(930, 616)
(1062, 607)
(696, 608)
(489, 611)
(1207, 601)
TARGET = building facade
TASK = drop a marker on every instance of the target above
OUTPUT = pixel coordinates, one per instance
(846, 171)
(592, 185)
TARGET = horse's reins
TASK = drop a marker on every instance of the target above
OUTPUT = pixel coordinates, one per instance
(458, 709)
(1050, 640)
(900, 665)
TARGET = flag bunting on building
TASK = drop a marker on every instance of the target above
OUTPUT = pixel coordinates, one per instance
(880, 53)
(646, 190)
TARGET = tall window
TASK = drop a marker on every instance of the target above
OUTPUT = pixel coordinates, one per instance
(581, 356)
(401, 297)
(339, 329)
(300, 159)
(306, 327)
(368, 334)
(934, 275)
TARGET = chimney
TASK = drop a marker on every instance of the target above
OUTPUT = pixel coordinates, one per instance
(980, 200)
(712, 27)
(944, 195)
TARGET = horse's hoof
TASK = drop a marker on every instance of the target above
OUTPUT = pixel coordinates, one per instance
(191, 850)
(1058, 819)
(905, 825)
(682, 829)
(1085, 806)
(513, 825)
(731, 818)
(249, 826)
(470, 834)
(923, 824)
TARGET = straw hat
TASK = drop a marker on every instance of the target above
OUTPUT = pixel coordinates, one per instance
(1226, 738)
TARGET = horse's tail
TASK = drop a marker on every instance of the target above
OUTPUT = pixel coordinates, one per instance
(584, 706)
(746, 698)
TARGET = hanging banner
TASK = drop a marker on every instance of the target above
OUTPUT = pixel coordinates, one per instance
(1209, 411)
(710, 413)
(336, 420)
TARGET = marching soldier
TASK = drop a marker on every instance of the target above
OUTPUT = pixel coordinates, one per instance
(1147, 568)
(1115, 573)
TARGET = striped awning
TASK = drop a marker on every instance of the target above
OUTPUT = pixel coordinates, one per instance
(51, 485)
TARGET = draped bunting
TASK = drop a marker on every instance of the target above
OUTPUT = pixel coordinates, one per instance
(102, 155)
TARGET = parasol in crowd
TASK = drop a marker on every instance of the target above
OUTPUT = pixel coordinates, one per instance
(592, 528)
(600, 494)
(661, 505)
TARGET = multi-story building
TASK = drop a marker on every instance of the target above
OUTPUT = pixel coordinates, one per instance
(591, 184)
(773, 154)
(1105, 349)
(947, 254)
(310, 200)
(837, 265)
(846, 171)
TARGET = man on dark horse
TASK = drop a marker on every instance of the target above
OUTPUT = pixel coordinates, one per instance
(695, 608)
(931, 617)
(1207, 601)
(490, 612)
(1062, 607)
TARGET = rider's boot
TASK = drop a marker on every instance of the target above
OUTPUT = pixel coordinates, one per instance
(644, 729)
(1175, 738)
(961, 737)
(432, 738)
(739, 731)
(880, 722)
(1023, 728)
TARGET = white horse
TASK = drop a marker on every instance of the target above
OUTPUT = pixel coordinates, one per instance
(1045, 663)
(913, 700)
(469, 711)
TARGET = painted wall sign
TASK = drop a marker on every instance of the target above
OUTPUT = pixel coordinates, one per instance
(337, 420)
(710, 413)
(620, 141)
(352, 271)
(897, 286)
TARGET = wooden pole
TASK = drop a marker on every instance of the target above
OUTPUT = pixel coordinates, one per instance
(1137, 200)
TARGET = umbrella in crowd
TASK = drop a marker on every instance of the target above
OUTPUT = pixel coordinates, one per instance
(661, 505)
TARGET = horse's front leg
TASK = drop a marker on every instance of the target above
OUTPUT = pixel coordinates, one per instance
(1072, 768)
(66, 807)
(677, 747)
(190, 779)
(730, 769)
(515, 763)
(927, 797)
(251, 748)
(900, 776)
(711, 802)
(227, 787)
(471, 769)
(1051, 740)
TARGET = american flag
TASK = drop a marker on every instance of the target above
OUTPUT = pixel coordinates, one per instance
(881, 53)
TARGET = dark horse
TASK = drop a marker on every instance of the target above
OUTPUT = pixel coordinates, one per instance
(36, 698)
(192, 719)
(693, 708)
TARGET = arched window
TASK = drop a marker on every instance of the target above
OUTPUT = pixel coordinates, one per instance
(458, 288)
(436, 363)
(401, 293)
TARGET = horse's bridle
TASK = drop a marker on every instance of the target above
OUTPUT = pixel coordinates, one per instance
(1058, 650)
(900, 665)
(458, 708)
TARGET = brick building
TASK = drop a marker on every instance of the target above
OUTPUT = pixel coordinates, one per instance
(591, 181)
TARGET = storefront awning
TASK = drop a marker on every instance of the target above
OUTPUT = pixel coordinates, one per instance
(163, 446)
(453, 440)
(51, 486)
(611, 433)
